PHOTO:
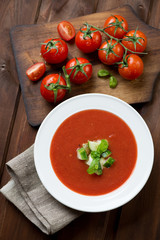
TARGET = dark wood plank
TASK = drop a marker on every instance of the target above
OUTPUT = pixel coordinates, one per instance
(153, 18)
(88, 226)
(141, 7)
(14, 223)
(140, 218)
(136, 91)
(56, 10)
(12, 12)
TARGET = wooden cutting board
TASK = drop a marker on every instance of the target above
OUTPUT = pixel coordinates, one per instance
(26, 46)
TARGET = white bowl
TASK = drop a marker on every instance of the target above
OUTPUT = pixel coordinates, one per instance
(125, 192)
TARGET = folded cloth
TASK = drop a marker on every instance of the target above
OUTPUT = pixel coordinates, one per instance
(27, 193)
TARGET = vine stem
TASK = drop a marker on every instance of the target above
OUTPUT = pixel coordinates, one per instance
(67, 78)
(111, 37)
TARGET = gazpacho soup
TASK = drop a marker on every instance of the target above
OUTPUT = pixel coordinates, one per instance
(93, 152)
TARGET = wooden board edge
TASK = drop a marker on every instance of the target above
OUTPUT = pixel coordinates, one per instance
(18, 72)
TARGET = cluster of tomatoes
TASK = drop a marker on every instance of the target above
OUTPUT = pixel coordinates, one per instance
(121, 47)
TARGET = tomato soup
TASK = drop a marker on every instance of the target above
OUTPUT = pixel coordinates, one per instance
(93, 125)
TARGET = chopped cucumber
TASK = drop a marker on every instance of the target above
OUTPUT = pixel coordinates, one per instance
(102, 162)
(99, 169)
(95, 167)
(89, 160)
(81, 154)
(109, 162)
(86, 147)
(93, 145)
(106, 154)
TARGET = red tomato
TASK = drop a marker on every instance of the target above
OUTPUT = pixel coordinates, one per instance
(116, 26)
(36, 71)
(136, 42)
(66, 30)
(79, 70)
(111, 52)
(54, 50)
(88, 44)
(132, 67)
(50, 87)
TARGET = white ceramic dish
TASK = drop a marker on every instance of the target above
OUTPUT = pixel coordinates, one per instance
(113, 199)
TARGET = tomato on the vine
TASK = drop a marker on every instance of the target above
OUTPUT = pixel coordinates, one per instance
(54, 50)
(135, 40)
(110, 52)
(53, 88)
(88, 39)
(131, 67)
(66, 30)
(116, 26)
(36, 71)
(79, 70)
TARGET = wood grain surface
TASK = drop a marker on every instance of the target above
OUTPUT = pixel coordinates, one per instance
(138, 219)
(26, 54)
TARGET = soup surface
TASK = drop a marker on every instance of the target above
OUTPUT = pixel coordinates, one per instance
(93, 125)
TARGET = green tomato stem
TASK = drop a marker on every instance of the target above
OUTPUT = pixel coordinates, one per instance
(67, 78)
(116, 39)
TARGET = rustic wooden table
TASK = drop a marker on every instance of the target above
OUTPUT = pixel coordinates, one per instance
(140, 218)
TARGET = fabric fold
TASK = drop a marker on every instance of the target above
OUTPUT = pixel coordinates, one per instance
(27, 193)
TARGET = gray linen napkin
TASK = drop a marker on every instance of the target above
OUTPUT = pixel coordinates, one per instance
(27, 193)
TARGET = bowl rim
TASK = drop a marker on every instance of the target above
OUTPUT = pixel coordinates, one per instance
(94, 200)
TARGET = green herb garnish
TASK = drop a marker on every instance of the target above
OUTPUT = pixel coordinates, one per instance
(102, 146)
(106, 154)
(109, 162)
(95, 166)
(112, 82)
(97, 156)
(82, 154)
(103, 73)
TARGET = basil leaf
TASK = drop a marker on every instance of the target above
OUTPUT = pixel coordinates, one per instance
(112, 82)
(102, 146)
(103, 73)
(95, 155)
